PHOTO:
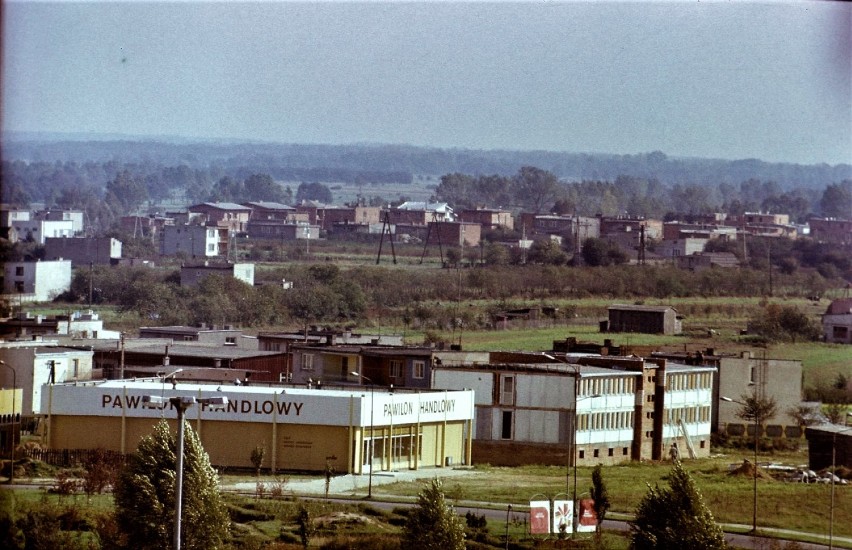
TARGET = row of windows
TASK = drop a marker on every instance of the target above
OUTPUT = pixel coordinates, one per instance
(418, 368)
(605, 421)
(603, 386)
(702, 380)
(688, 414)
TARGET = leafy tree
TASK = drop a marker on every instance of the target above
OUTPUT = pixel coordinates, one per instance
(127, 191)
(535, 188)
(547, 252)
(836, 200)
(783, 323)
(758, 410)
(314, 192)
(600, 252)
(145, 494)
(600, 494)
(675, 517)
(433, 524)
(496, 254)
(261, 187)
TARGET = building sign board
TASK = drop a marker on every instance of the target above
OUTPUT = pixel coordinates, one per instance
(261, 404)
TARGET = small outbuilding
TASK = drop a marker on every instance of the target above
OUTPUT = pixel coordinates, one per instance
(646, 319)
(829, 444)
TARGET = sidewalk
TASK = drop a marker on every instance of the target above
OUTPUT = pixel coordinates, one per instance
(355, 485)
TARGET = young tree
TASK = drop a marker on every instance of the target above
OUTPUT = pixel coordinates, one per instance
(433, 524)
(600, 494)
(145, 494)
(756, 409)
(675, 518)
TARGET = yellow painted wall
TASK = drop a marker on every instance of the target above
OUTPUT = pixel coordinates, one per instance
(231, 443)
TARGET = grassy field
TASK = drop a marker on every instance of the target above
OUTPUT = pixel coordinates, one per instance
(783, 505)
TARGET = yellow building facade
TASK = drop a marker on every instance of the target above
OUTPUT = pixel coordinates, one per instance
(300, 429)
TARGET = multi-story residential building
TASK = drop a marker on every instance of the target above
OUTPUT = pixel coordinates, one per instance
(595, 410)
(195, 241)
(488, 218)
(40, 362)
(271, 211)
(421, 213)
(36, 281)
(233, 217)
(38, 230)
(83, 251)
(454, 233)
(831, 230)
(76, 217)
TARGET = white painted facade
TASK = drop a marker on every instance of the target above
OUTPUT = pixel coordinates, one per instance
(38, 230)
(36, 281)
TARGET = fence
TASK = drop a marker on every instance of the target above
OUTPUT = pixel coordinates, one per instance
(67, 458)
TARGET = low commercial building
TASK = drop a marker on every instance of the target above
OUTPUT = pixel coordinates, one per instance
(352, 431)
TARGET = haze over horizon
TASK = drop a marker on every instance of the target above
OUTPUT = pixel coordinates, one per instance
(771, 81)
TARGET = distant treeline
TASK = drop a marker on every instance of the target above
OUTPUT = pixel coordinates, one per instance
(404, 159)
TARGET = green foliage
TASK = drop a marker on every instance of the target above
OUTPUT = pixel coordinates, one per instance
(433, 524)
(600, 252)
(145, 494)
(784, 323)
(306, 526)
(256, 458)
(600, 494)
(755, 408)
(674, 518)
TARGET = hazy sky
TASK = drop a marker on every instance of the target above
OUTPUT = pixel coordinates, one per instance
(769, 80)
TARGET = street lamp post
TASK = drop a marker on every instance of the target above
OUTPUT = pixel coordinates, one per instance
(372, 444)
(833, 476)
(181, 404)
(508, 511)
(756, 429)
(14, 421)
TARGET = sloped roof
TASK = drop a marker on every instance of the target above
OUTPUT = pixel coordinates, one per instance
(841, 306)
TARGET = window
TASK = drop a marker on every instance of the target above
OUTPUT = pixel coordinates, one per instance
(839, 332)
(419, 368)
(611, 452)
(211, 247)
(624, 451)
(597, 453)
(19, 271)
(506, 428)
(507, 390)
(395, 368)
(582, 454)
(76, 364)
(230, 340)
(307, 361)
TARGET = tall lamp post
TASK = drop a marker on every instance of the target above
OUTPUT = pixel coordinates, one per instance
(372, 435)
(833, 476)
(181, 404)
(14, 420)
(756, 440)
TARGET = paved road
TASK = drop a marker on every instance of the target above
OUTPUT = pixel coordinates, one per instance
(345, 488)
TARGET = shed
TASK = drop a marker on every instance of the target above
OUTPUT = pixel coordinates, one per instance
(646, 319)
